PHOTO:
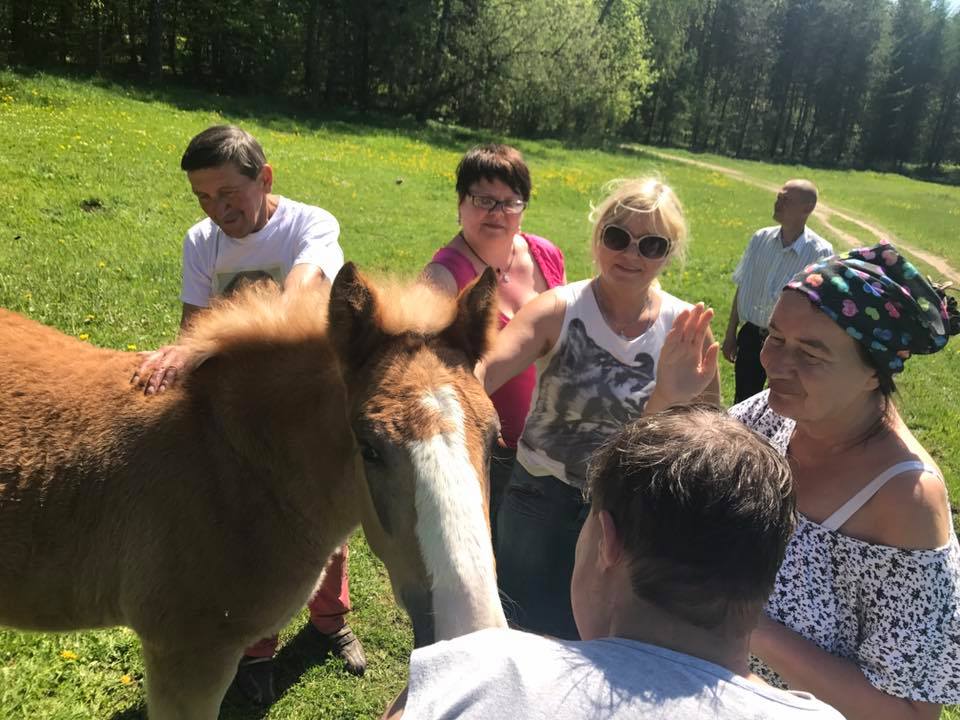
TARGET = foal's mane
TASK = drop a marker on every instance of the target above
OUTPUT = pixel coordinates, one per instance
(262, 313)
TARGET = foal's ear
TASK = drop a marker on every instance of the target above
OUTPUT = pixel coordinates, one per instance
(474, 328)
(352, 317)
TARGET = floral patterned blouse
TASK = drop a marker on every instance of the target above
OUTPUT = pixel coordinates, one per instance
(893, 612)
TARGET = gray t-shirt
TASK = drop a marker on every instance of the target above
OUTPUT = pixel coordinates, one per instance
(510, 674)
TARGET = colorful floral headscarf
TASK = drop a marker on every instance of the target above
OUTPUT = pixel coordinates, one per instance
(882, 301)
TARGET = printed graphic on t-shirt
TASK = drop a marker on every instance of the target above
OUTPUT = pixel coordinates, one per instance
(584, 397)
(228, 282)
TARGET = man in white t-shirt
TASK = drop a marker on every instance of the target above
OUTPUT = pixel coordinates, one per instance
(251, 234)
(691, 515)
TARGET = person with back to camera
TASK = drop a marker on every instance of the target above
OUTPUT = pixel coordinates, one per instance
(493, 186)
(251, 234)
(775, 254)
(865, 612)
(596, 344)
(690, 515)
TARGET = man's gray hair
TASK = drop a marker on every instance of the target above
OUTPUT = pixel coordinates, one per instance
(222, 144)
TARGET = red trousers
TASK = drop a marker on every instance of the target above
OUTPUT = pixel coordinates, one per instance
(328, 605)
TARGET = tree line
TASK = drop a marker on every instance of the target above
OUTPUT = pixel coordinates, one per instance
(871, 83)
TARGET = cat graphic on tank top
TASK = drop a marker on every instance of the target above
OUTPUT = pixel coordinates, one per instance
(584, 396)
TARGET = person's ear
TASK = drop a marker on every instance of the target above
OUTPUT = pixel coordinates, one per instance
(266, 178)
(611, 542)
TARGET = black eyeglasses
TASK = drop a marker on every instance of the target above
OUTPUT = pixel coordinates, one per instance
(618, 239)
(513, 206)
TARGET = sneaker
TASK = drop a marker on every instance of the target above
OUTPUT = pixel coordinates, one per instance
(345, 645)
(254, 680)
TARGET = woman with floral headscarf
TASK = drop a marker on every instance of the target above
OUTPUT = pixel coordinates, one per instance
(865, 613)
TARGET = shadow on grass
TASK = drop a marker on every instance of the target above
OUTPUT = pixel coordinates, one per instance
(290, 113)
(298, 113)
(135, 713)
(303, 652)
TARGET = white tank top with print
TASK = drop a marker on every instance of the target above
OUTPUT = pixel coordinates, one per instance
(590, 383)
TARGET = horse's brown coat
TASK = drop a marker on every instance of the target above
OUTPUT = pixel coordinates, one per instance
(202, 517)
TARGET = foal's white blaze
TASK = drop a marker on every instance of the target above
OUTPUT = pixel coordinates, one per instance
(453, 534)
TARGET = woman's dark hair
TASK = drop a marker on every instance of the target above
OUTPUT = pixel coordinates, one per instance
(953, 312)
(705, 509)
(222, 144)
(494, 162)
(885, 381)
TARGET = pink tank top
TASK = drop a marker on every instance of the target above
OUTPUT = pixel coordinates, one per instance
(512, 400)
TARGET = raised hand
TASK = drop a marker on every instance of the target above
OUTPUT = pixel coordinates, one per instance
(688, 359)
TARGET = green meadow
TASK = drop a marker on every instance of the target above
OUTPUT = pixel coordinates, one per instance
(93, 208)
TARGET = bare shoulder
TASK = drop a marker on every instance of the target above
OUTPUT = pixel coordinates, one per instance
(547, 307)
(441, 278)
(551, 307)
(539, 322)
(912, 511)
(551, 301)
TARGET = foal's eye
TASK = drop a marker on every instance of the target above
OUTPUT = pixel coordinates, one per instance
(369, 453)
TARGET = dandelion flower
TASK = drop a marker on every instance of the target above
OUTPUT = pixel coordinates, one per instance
(84, 336)
(68, 655)
(126, 680)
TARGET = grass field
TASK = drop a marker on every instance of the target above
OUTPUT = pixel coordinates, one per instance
(93, 208)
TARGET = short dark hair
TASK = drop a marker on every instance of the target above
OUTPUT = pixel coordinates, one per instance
(494, 162)
(705, 508)
(222, 144)
(885, 382)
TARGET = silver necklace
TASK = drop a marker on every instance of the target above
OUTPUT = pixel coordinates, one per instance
(606, 318)
(503, 275)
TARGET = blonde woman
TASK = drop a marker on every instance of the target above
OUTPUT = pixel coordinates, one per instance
(595, 344)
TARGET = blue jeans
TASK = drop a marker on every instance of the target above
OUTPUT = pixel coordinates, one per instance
(537, 529)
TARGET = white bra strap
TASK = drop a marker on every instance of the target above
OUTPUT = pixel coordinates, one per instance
(847, 510)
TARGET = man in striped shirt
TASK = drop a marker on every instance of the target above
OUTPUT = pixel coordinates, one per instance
(774, 255)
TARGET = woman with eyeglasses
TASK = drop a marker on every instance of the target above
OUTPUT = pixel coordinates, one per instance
(595, 344)
(493, 186)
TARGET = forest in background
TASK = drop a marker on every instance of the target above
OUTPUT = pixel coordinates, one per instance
(837, 83)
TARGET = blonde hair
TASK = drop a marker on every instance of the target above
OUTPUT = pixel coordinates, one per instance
(649, 196)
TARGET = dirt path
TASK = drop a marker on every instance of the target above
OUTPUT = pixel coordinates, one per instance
(824, 213)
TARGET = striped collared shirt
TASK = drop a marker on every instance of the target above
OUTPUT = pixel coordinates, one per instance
(766, 266)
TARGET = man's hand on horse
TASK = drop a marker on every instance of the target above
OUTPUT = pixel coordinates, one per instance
(160, 369)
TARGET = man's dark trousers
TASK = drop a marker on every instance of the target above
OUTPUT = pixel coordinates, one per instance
(750, 375)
